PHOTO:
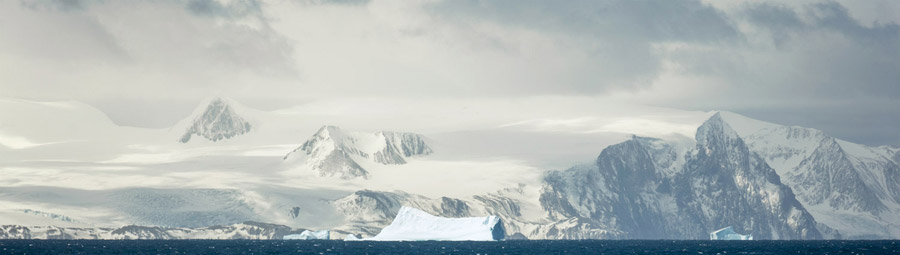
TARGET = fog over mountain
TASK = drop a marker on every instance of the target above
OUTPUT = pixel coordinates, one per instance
(577, 119)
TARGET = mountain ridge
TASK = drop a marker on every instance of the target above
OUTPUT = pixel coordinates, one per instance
(331, 151)
(628, 191)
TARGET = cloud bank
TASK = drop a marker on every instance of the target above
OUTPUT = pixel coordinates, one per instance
(824, 64)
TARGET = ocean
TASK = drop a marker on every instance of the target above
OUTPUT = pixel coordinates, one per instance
(436, 247)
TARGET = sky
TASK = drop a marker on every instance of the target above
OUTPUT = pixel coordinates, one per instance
(830, 65)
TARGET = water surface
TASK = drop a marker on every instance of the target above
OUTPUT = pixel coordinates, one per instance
(434, 247)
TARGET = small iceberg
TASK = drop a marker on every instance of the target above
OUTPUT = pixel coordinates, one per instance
(728, 234)
(309, 235)
(415, 225)
(351, 237)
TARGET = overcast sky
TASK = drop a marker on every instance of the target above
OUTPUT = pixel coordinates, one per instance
(830, 65)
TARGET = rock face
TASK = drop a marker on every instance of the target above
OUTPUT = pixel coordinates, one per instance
(218, 122)
(731, 186)
(134, 232)
(848, 187)
(633, 191)
(624, 182)
(246, 230)
(368, 211)
(14, 232)
(332, 151)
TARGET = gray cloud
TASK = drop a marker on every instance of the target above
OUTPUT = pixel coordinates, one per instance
(232, 9)
(814, 66)
(618, 35)
(781, 21)
(866, 62)
(684, 20)
(59, 5)
(824, 64)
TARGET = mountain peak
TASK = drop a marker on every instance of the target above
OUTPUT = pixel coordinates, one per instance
(218, 121)
(334, 152)
(715, 129)
(744, 125)
(328, 131)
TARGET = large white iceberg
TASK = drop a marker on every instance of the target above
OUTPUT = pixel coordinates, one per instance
(308, 235)
(415, 225)
(728, 234)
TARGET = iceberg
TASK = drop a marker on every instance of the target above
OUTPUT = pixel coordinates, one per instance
(309, 235)
(415, 225)
(728, 234)
(351, 237)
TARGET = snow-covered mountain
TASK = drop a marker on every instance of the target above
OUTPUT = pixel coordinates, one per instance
(332, 151)
(67, 166)
(217, 121)
(852, 188)
(648, 188)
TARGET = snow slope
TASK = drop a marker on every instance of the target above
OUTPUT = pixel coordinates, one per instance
(60, 131)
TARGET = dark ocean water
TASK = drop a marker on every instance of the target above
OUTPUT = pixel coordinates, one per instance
(432, 247)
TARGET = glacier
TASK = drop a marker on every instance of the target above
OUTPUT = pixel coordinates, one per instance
(728, 233)
(416, 225)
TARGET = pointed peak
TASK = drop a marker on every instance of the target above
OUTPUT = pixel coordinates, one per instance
(223, 101)
(744, 125)
(327, 130)
(714, 128)
(215, 120)
(216, 100)
(715, 119)
(216, 104)
(717, 116)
